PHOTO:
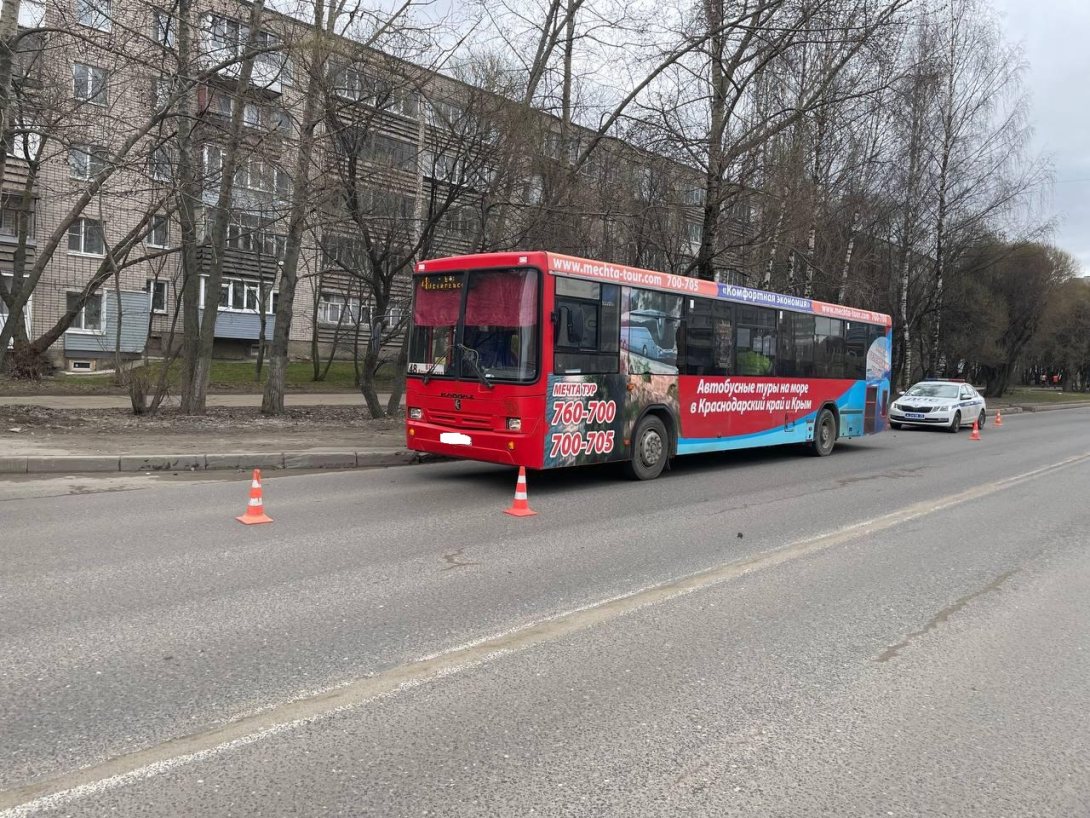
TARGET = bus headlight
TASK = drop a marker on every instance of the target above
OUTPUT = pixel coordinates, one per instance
(514, 424)
(416, 414)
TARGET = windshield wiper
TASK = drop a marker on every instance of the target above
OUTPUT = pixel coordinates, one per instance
(431, 369)
(474, 358)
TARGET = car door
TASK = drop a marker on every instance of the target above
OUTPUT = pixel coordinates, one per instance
(970, 408)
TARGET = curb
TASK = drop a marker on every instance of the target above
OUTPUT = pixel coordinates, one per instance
(1055, 407)
(79, 464)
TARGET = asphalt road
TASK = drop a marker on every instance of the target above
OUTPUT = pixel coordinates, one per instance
(900, 629)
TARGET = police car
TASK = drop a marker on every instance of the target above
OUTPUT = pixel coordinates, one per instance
(946, 404)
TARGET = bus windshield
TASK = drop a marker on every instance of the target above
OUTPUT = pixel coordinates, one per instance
(474, 325)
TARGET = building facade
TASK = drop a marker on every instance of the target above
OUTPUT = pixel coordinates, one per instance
(407, 163)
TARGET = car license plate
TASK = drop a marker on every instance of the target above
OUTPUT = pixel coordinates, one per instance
(914, 415)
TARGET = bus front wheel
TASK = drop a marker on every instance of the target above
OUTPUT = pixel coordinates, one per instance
(824, 434)
(650, 449)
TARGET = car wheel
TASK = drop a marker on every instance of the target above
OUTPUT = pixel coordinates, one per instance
(824, 434)
(650, 449)
(980, 420)
(894, 425)
(955, 424)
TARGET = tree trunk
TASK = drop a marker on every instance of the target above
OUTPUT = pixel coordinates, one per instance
(844, 270)
(200, 366)
(393, 406)
(272, 401)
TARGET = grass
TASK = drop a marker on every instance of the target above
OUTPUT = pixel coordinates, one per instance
(226, 376)
(1035, 394)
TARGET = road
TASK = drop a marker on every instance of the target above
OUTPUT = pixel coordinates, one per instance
(900, 629)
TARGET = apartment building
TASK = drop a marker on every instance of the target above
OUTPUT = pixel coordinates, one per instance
(408, 163)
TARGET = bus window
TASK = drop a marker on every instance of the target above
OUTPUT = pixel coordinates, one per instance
(500, 324)
(755, 340)
(706, 344)
(436, 303)
(856, 343)
(650, 330)
(796, 359)
(586, 327)
(830, 348)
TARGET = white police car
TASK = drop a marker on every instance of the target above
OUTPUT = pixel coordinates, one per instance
(948, 405)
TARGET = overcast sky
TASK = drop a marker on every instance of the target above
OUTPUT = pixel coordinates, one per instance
(1055, 37)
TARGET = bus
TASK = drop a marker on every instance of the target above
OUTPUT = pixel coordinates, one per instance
(545, 360)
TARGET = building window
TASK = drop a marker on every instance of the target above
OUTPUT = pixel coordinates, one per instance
(693, 196)
(213, 167)
(89, 83)
(335, 309)
(85, 236)
(159, 234)
(160, 91)
(157, 296)
(89, 318)
(9, 221)
(222, 104)
(238, 295)
(23, 142)
(161, 164)
(163, 24)
(86, 161)
(248, 231)
(94, 14)
(694, 232)
(228, 39)
(279, 120)
(251, 115)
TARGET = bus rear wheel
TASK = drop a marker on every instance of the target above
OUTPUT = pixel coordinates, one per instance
(824, 434)
(650, 449)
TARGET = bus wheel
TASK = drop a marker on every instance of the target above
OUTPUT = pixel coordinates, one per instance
(650, 448)
(824, 434)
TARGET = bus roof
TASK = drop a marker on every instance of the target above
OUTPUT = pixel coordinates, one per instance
(557, 264)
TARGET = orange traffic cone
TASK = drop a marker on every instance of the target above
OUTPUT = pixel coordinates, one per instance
(976, 432)
(521, 506)
(998, 418)
(255, 509)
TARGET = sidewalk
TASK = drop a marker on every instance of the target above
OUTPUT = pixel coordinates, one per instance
(252, 443)
(228, 400)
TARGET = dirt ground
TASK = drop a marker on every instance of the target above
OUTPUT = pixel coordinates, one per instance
(39, 430)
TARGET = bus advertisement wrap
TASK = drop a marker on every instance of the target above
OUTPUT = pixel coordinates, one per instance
(586, 420)
(724, 406)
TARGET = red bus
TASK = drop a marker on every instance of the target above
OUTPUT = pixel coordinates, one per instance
(544, 360)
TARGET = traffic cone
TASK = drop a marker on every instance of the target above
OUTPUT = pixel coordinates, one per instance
(976, 432)
(998, 418)
(255, 509)
(521, 506)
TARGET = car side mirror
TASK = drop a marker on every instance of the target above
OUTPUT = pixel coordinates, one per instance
(900, 393)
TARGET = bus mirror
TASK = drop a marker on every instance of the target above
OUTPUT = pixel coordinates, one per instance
(575, 327)
(572, 323)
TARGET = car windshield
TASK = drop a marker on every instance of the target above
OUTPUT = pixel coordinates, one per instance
(933, 390)
(489, 331)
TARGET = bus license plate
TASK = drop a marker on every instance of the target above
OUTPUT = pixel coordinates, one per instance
(455, 439)
(914, 415)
